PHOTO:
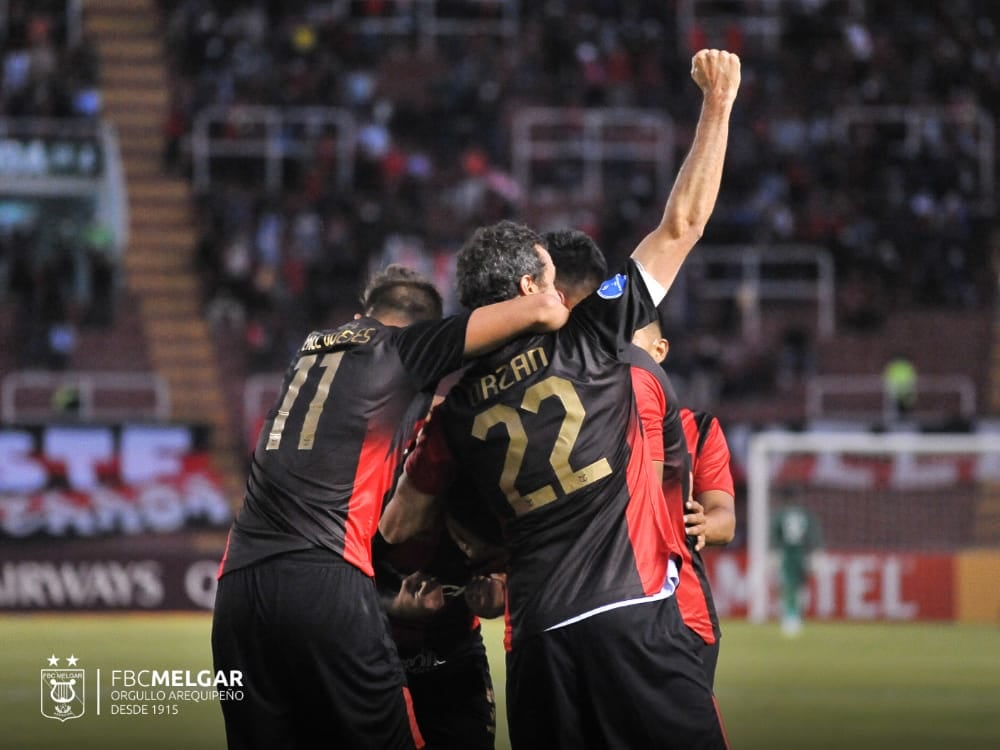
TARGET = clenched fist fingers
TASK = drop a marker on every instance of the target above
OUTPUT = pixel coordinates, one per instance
(716, 72)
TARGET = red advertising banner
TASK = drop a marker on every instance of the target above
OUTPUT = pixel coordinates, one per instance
(88, 481)
(851, 585)
(121, 517)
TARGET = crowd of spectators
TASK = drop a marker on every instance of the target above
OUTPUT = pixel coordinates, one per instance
(58, 263)
(902, 202)
(844, 138)
(50, 68)
(61, 275)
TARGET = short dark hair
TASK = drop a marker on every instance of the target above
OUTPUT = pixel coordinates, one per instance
(579, 262)
(493, 260)
(655, 327)
(399, 290)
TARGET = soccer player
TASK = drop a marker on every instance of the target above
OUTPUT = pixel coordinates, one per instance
(708, 516)
(434, 598)
(580, 264)
(795, 533)
(710, 520)
(435, 594)
(434, 601)
(546, 432)
(580, 268)
(297, 610)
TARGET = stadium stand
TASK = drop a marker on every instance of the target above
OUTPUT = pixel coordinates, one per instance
(429, 109)
(274, 152)
(98, 283)
(58, 247)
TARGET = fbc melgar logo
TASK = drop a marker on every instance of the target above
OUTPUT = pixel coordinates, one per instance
(131, 692)
(63, 690)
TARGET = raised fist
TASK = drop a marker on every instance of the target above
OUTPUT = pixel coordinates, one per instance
(716, 72)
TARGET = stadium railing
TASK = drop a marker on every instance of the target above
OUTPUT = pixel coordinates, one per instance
(863, 397)
(428, 20)
(754, 275)
(589, 141)
(34, 396)
(271, 135)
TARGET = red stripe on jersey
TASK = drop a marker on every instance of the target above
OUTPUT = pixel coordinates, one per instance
(649, 528)
(508, 629)
(710, 462)
(225, 554)
(710, 470)
(373, 479)
(430, 465)
(690, 597)
(652, 404)
(418, 739)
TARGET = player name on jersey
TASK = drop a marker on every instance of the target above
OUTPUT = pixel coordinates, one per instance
(349, 334)
(512, 372)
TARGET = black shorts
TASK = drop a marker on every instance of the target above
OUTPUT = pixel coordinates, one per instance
(709, 655)
(453, 697)
(311, 638)
(626, 678)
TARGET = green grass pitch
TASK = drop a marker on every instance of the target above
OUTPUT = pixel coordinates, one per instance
(854, 686)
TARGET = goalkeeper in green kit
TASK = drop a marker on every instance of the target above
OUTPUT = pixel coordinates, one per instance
(795, 536)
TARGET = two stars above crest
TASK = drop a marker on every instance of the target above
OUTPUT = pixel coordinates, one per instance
(70, 661)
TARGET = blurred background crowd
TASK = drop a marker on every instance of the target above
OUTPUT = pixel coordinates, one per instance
(864, 129)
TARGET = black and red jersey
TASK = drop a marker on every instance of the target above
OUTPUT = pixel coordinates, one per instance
(710, 457)
(434, 553)
(545, 434)
(329, 450)
(664, 431)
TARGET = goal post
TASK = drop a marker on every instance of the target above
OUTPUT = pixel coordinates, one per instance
(901, 495)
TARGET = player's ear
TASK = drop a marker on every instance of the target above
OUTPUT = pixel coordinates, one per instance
(357, 316)
(526, 285)
(662, 350)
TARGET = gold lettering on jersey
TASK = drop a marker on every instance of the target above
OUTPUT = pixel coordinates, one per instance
(513, 372)
(570, 479)
(307, 437)
(321, 340)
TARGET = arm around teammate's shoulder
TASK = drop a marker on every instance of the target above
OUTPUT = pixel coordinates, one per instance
(493, 325)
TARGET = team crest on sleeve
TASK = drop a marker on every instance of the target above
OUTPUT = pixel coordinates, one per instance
(614, 287)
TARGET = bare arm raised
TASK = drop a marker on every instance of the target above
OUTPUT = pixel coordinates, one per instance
(693, 196)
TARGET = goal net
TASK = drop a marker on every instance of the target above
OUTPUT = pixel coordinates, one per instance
(899, 514)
